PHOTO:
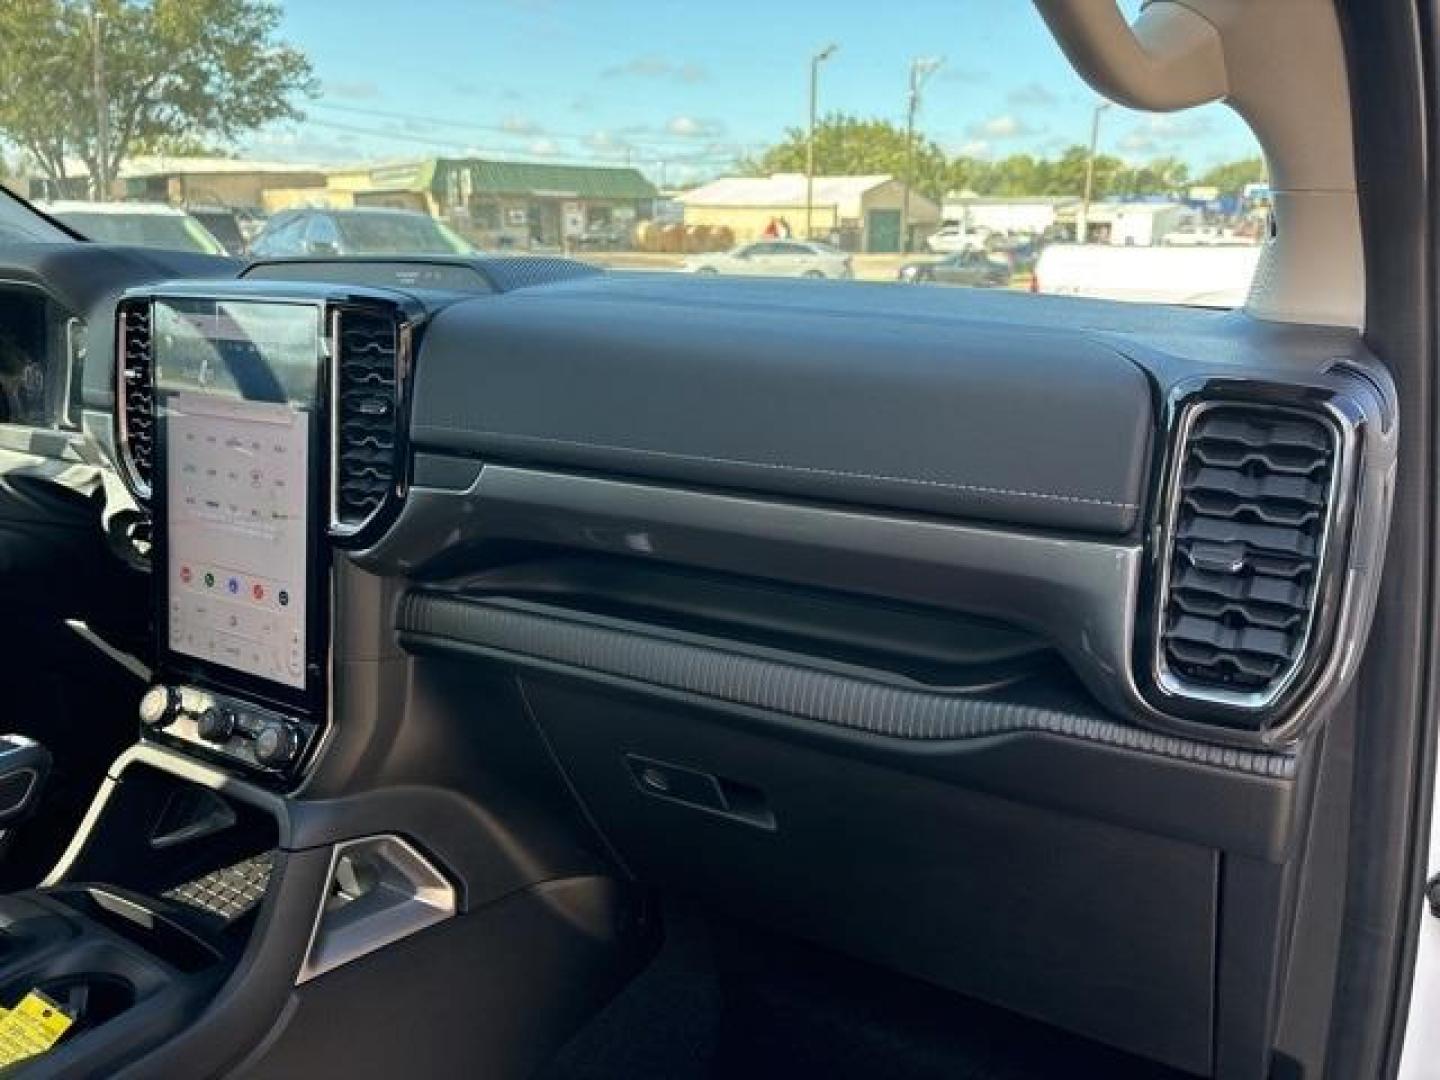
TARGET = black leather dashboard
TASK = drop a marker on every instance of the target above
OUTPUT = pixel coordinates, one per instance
(939, 415)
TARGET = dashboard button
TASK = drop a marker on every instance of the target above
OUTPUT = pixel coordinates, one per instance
(216, 725)
(159, 706)
(277, 744)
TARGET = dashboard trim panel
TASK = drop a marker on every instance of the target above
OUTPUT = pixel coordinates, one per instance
(433, 621)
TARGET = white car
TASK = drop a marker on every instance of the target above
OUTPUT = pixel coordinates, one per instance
(955, 240)
(139, 224)
(775, 258)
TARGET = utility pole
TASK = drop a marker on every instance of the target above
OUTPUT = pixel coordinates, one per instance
(815, 62)
(920, 70)
(1082, 223)
(102, 107)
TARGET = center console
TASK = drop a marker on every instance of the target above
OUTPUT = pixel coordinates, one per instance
(261, 426)
(271, 433)
(254, 864)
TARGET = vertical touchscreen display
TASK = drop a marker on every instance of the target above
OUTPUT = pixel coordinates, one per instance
(236, 391)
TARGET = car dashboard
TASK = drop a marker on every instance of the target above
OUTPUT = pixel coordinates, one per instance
(994, 614)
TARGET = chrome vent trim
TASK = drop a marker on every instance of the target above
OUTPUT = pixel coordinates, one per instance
(1250, 509)
(135, 395)
(370, 350)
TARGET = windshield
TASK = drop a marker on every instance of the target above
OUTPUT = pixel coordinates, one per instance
(174, 231)
(19, 224)
(405, 234)
(642, 136)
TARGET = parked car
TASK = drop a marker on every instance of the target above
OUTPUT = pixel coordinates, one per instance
(604, 237)
(973, 268)
(956, 238)
(152, 225)
(361, 231)
(776, 258)
(224, 224)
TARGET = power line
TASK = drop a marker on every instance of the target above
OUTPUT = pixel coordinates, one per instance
(511, 154)
(514, 131)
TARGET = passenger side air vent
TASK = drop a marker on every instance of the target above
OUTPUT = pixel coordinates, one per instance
(1250, 514)
(367, 388)
(135, 395)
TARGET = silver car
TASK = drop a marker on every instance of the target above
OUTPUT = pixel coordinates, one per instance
(776, 258)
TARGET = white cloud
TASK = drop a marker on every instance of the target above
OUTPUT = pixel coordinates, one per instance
(544, 147)
(655, 66)
(609, 144)
(1137, 142)
(1164, 133)
(1000, 128)
(690, 127)
(603, 139)
(520, 125)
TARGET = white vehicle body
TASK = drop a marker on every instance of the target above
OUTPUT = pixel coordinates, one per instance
(1208, 237)
(1420, 1059)
(1202, 276)
(774, 258)
(955, 239)
(136, 223)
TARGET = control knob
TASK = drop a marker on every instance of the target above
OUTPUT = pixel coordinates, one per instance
(159, 706)
(276, 745)
(215, 725)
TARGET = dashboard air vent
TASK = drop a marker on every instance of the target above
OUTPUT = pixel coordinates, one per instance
(367, 434)
(135, 393)
(1251, 514)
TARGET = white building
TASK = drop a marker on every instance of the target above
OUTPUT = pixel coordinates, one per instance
(1028, 214)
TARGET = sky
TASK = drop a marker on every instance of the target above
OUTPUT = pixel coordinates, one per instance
(680, 88)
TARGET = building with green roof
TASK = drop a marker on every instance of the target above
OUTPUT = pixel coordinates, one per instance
(510, 203)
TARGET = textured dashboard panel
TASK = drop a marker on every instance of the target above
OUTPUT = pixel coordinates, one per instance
(963, 419)
(809, 693)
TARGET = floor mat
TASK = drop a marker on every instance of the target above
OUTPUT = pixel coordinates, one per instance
(721, 1000)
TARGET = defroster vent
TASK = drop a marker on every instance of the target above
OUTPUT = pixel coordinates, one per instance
(1252, 506)
(367, 384)
(135, 394)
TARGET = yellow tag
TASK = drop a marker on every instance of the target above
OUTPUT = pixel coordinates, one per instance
(31, 1028)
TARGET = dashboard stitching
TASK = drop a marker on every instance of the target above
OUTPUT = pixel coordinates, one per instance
(804, 469)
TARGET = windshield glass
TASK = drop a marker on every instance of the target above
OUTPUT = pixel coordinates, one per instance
(19, 224)
(376, 234)
(644, 136)
(114, 226)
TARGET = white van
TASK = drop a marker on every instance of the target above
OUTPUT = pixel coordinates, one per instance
(1200, 276)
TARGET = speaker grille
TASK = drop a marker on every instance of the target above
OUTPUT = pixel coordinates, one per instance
(1250, 522)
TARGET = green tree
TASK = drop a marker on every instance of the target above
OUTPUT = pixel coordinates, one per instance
(177, 72)
(849, 146)
(1160, 176)
(1232, 177)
